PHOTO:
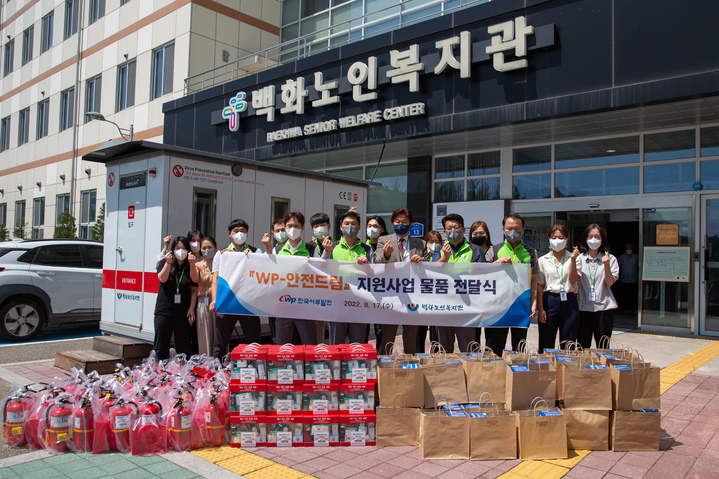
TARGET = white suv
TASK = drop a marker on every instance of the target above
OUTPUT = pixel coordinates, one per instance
(48, 282)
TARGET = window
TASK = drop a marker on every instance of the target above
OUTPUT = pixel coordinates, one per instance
(23, 127)
(610, 151)
(615, 181)
(672, 177)
(9, 55)
(280, 207)
(47, 28)
(163, 61)
(27, 37)
(485, 166)
(87, 213)
(67, 108)
(535, 158)
(670, 146)
(62, 205)
(38, 218)
(5, 133)
(123, 2)
(64, 255)
(97, 10)
(95, 254)
(3, 214)
(205, 208)
(71, 18)
(92, 95)
(125, 86)
(19, 219)
(43, 118)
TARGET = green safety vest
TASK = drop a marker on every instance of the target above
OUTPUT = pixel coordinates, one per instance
(301, 250)
(232, 248)
(343, 252)
(463, 255)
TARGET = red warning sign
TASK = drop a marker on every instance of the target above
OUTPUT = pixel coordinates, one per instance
(111, 179)
(178, 171)
(131, 212)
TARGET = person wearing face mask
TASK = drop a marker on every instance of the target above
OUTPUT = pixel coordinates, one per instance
(395, 248)
(320, 224)
(278, 237)
(479, 235)
(513, 250)
(348, 248)
(558, 273)
(295, 225)
(433, 239)
(376, 227)
(628, 279)
(176, 300)
(457, 250)
(599, 271)
(237, 230)
(195, 237)
(205, 321)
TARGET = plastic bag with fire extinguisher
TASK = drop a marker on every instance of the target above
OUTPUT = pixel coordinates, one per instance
(209, 417)
(179, 424)
(15, 411)
(54, 424)
(103, 440)
(149, 434)
(35, 423)
(82, 423)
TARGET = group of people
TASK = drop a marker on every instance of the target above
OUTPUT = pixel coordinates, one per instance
(571, 287)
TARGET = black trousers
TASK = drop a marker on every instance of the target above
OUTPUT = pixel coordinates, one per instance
(594, 324)
(389, 332)
(447, 334)
(357, 333)
(225, 324)
(165, 327)
(562, 316)
(284, 329)
(496, 338)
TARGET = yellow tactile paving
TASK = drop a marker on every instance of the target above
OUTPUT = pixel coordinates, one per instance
(669, 376)
(245, 464)
(276, 471)
(216, 454)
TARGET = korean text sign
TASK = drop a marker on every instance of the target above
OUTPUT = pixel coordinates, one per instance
(439, 294)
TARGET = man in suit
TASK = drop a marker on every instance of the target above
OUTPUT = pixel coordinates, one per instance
(395, 248)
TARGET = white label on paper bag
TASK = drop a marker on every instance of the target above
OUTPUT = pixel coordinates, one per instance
(551, 412)
(410, 366)
(322, 439)
(322, 376)
(357, 438)
(285, 376)
(320, 406)
(247, 408)
(478, 414)
(356, 406)
(284, 439)
(284, 407)
(248, 375)
(622, 367)
(596, 366)
(359, 375)
(519, 369)
(248, 439)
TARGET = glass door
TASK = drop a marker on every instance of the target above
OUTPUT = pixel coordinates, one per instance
(709, 300)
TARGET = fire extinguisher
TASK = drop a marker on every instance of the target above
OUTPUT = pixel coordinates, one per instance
(214, 422)
(147, 432)
(57, 425)
(104, 439)
(35, 425)
(13, 417)
(83, 431)
(121, 420)
(180, 426)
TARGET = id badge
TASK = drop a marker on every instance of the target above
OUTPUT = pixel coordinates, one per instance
(563, 295)
(178, 298)
(592, 296)
(206, 300)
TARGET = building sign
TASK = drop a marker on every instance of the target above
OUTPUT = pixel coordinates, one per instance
(668, 234)
(506, 45)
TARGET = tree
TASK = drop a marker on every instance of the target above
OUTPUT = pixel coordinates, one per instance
(98, 231)
(4, 233)
(20, 231)
(65, 227)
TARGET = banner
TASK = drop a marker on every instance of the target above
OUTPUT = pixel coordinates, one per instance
(437, 294)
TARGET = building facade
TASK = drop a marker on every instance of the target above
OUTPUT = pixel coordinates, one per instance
(564, 111)
(121, 58)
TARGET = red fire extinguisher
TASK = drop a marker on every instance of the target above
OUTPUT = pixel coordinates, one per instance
(121, 420)
(214, 422)
(57, 425)
(83, 430)
(180, 426)
(148, 435)
(35, 425)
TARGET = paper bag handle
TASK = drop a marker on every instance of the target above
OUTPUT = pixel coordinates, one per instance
(403, 404)
(536, 402)
(473, 347)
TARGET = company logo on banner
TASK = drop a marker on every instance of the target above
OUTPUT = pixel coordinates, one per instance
(439, 294)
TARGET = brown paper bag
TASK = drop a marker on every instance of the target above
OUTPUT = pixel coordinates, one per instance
(635, 430)
(528, 381)
(635, 386)
(485, 376)
(397, 425)
(392, 379)
(444, 380)
(442, 436)
(541, 434)
(580, 387)
(587, 429)
(493, 437)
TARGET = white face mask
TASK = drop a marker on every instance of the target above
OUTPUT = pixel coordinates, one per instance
(433, 247)
(180, 254)
(320, 232)
(281, 237)
(373, 233)
(594, 243)
(557, 244)
(293, 233)
(239, 238)
(195, 246)
(629, 252)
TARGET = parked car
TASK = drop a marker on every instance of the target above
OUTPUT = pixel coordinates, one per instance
(53, 281)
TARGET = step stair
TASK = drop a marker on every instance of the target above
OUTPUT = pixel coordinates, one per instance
(107, 352)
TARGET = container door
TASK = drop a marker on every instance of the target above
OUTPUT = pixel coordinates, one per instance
(709, 290)
(130, 250)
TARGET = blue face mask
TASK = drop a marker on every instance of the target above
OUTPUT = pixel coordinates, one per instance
(401, 229)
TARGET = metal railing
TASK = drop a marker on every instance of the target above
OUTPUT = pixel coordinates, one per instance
(334, 36)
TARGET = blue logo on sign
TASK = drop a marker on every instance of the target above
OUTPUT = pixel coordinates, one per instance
(417, 229)
(413, 307)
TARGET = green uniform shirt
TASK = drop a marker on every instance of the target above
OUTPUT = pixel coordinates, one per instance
(246, 247)
(344, 253)
(463, 255)
(301, 250)
(518, 254)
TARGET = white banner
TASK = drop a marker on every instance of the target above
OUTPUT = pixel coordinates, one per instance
(437, 294)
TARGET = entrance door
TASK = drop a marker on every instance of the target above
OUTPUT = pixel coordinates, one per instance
(709, 301)
(131, 250)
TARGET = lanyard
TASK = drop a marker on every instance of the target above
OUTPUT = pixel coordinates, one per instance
(561, 276)
(178, 281)
(593, 276)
